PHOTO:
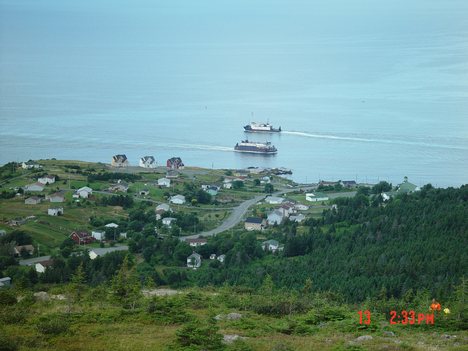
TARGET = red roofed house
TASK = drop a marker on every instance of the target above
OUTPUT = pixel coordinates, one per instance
(175, 163)
(81, 238)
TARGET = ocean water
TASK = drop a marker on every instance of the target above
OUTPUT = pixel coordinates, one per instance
(362, 91)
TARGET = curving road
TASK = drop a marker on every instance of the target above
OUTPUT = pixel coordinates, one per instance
(234, 218)
(239, 212)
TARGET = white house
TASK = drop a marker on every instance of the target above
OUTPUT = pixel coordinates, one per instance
(43, 265)
(194, 261)
(274, 200)
(177, 199)
(301, 207)
(297, 218)
(111, 225)
(98, 235)
(227, 185)
(84, 192)
(48, 179)
(316, 197)
(276, 217)
(168, 221)
(144, 192)
(55, 211)
(147, 162)
(164, 182)
(34, 187)
(30, 165)
(161, 208)
(119, 161)
(271, 245)
(196, 242)
(221, 258)
(95, 253)
(385, 196)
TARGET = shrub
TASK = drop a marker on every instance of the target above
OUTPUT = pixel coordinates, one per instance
(168, 310)
(197, 334)
(7, 298)
(7, 343)
(52, 324)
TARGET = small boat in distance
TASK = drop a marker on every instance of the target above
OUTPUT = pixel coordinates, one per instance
(255, 127)
(255, 147)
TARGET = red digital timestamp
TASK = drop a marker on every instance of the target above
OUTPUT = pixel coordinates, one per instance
(404, 317)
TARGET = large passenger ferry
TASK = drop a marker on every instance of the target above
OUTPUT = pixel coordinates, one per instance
(255, 147)
(255, 127)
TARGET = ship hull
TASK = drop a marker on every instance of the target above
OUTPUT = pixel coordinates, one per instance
(249, 129)
(258, 152)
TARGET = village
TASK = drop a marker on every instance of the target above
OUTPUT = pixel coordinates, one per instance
(88, 204)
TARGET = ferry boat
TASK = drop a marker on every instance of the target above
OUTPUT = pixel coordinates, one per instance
(255, 127)
(255, 147)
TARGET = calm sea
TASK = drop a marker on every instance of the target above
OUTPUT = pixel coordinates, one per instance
(362, 91)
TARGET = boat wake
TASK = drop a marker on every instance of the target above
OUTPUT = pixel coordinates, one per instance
(369, 140)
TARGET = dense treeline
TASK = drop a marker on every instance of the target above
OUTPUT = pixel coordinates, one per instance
(363, 248)
(113, 176)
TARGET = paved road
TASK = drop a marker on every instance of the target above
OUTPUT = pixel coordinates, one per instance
(239, 212)
(235, 217)
(31, 261)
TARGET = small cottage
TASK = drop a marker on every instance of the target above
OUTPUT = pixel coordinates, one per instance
(168, 221)
(254, 223)
(271, 245)
(274, 200)
(33, 200)
(34, 187)
(276, 217)
(177, 199)
(196, 242)
(144, 192)
(43, 265)
(55, 211)
(56, 197)
(30, 165)
(84, 192)
(166, 182)
(48, 179)
(221, 258)
(316, 197)
(147, 162)
(194, 261)
(98, 235)
(18, 250)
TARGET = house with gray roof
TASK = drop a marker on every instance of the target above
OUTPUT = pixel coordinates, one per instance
(147, 162)
(34, 187)
(33, 200)
(119, 161)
